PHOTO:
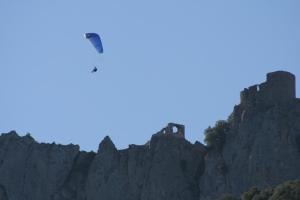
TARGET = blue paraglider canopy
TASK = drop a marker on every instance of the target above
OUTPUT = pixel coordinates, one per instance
(94, 38)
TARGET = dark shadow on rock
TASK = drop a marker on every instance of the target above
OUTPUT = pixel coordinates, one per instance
(3, 194)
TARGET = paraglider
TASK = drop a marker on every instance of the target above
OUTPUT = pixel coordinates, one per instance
(94, 70)
(95, 39)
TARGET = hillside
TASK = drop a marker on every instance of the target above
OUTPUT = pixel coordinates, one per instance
(259, 147)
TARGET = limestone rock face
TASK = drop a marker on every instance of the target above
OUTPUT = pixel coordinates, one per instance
(29, 170)
(167, 167)
(3, 195)
(261, 149)
(74, 185)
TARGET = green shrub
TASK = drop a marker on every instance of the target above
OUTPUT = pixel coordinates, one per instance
(250, 194)
(215, 137)
(227, 197)
(265, 194)
(287, 191)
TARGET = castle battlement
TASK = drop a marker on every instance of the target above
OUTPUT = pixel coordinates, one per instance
(280, 87)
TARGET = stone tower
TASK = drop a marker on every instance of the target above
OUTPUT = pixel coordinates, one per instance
(280, 87)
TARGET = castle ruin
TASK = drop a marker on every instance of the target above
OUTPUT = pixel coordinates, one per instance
(280, 87)
(174, 129)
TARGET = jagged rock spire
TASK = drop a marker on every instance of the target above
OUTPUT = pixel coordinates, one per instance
(106, 145)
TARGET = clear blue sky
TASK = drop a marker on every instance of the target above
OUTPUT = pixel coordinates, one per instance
(164, 61)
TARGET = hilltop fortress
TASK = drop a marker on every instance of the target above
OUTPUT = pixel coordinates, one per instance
(279, 90)
(280, 87)
(261, 148)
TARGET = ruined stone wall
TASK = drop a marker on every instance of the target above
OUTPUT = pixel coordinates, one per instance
(174, 129)
(280, 87)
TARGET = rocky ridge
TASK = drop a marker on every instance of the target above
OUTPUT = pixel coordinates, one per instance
(261, 148)
(167, 167)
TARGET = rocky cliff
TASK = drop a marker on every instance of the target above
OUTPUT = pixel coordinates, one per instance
(167, 167)
(261, 148)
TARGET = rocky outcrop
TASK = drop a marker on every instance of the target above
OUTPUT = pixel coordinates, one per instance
(261, 148)
(74, 185)
(29, 170)
(167, 167)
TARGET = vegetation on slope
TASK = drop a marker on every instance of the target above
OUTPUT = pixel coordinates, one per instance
(215, 136)
(289, 190)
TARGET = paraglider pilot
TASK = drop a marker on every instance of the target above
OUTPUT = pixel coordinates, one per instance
(94, 70)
